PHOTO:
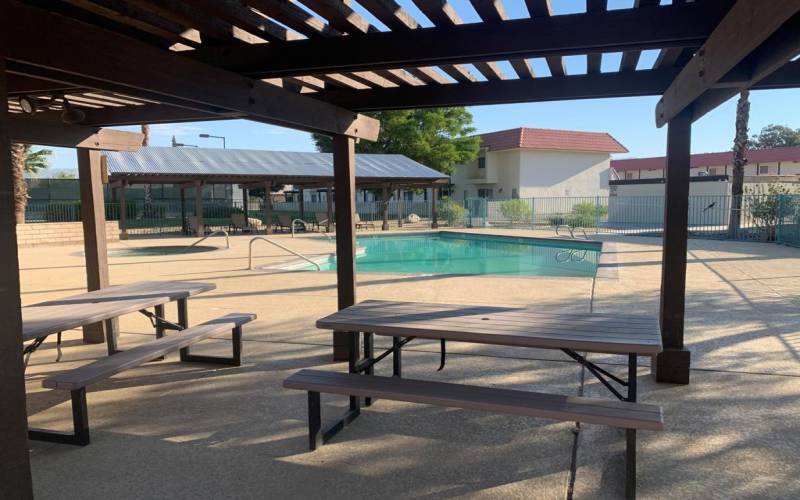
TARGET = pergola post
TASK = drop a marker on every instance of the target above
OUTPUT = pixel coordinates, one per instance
(672, 365)
(399, 207)
(245, 208)
(15, 469)
(385, 209)
(302, 204)
(198, 208)
(268, 207)
(329, 199)
(94, 236)
(184, 226)
(344, 169)
(434, 209)
(123, 211)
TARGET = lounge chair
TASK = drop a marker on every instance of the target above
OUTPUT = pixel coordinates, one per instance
(321, 219)
(238, 221)
(360, 223)
(285, 221)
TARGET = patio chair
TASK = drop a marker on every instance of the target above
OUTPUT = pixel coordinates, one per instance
(238, 222)
(360, 223)
(321, 219)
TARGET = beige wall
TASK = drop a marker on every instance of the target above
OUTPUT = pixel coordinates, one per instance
(773, 168)
(534, 173)
(58, 233)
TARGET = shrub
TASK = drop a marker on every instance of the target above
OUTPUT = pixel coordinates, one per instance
(516, 211)
(453, 212)
(767, 206)
(586, 214)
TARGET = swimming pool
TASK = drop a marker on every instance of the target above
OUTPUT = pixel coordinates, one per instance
(472, 254)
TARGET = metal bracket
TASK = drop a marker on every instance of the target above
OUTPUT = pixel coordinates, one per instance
(159, 322)
(599, 373)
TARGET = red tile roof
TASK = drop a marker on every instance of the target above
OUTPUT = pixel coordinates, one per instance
(711, 159)
(549, 139)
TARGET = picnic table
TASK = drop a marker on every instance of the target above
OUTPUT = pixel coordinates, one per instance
(575, 334)
(55, 316)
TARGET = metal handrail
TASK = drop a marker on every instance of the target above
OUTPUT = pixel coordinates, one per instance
(227, 240)
(568, 229)
(250, 253)
(572, 231)
(304, 223)
(585, 236)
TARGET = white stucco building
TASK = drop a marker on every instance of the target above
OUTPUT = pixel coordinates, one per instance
(532, 162)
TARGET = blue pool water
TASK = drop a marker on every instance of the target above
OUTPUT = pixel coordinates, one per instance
(471, 254)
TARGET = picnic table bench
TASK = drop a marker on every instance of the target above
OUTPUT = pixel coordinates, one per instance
(55, 316)
(573, 334)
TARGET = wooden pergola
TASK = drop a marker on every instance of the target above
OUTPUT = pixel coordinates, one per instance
(98, 63)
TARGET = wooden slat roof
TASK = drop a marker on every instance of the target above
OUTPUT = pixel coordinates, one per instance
(328, 50)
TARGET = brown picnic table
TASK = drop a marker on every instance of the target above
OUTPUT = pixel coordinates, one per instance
(575, 334)
(55, 316)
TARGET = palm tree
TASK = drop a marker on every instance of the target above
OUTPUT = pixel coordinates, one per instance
(739, 161)
(148, 188)
(24, 160)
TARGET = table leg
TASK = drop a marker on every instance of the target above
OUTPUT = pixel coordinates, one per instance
(183, 320)
(369, 354)
(397, 357)
(112, 336)
(630, 434)
(352, 362)
(159, 312)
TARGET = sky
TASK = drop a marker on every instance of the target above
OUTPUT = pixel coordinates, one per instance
(630, 120)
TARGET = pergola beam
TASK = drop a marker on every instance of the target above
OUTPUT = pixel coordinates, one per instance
(29, 131)
(105, 57)
(589, 86)
(607, 31)
(748, 25)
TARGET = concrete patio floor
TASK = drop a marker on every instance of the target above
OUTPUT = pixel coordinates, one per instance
(172, 430)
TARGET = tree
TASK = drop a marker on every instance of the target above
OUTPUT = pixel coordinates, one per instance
(25, 161)
(775, 136)
(740, 143)
(438, 138)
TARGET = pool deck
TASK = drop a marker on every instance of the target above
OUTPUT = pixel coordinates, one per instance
(168, 430)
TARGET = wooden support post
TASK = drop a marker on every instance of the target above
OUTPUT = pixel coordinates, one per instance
(672, 365)
(385, 209)
(15, 468)
(123, 211)
(245, 207)
(302, 204)
(329, 199)
(184, 226)
(434, 208)
(93, 216)
(198, 208)
(268, 207)
(344, 169)
(399, 207)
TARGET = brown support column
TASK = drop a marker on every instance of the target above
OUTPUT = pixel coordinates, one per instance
(268, 207)
(385, 209)
(94, 235)
(329, 199)
(123, 211)
(184, 225)
(434, 208)
(15, 468)
(245, 207)
(672, 365)
(344, 161)
(399, 207)
(302, 204)
(198, 208)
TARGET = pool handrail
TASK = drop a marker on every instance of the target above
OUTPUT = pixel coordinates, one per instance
(227, 240)
(301, 221)
(262, 238)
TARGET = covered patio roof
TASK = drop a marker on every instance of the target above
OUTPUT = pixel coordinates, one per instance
(157, 165)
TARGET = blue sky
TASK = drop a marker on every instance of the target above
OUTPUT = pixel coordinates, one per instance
(629, 120)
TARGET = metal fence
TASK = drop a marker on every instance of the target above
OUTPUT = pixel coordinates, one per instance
(767, 217)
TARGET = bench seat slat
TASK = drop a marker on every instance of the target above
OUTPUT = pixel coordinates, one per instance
(553, 406)
(130, 358)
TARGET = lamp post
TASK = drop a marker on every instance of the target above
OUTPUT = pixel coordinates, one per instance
(209, 136)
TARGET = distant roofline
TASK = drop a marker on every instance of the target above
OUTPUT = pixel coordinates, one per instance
(717, 159)
(550, 139)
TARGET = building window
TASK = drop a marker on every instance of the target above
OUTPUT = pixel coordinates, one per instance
(712, 171)
(482, 159)
(763, 169)
(514, 193)
(484, 193)
(628, 176)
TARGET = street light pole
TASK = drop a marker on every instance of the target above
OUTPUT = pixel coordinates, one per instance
(208, 136)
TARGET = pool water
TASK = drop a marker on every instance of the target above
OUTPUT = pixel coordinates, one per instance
(159, 250)
(471, 254)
